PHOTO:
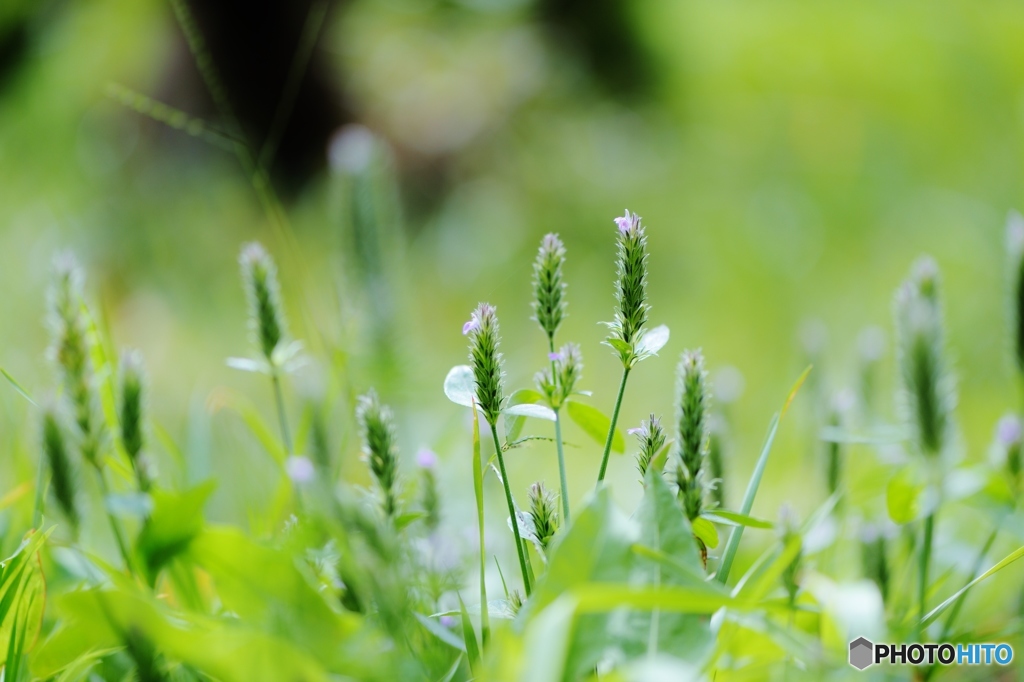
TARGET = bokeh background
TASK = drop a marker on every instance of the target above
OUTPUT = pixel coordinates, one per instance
(790, 160)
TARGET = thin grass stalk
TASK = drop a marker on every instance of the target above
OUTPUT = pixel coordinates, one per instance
(611, 427)
(512, 513)
(115, 525)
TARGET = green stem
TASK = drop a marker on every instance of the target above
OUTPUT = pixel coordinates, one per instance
(925, 558)
(281, 415)
(122, 546)
(611, 427)
(561, 468)
(511, 510)
(37, 513)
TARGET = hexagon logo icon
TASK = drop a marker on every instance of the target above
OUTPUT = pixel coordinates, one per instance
(861, 653)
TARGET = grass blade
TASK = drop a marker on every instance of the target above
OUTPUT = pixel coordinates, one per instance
(732, 546)
(17, 387)
(937, 611)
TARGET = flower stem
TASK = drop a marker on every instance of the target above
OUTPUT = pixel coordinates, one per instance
(286, 437)
(511, 511)
(611, 427)
(925, 558)
(561, 467)
(122, 546)
(558, 444)
(37, 513)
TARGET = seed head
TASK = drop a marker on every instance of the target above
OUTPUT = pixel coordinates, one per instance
(380, 447)
(131, 414)
(544, 512)
(567, 365)
(548, 287)
(62, 471)
(928, 390)
(631, 311)
(266, 316)
(692, 402)
(429, 498)
(651, 437)
(71, 350)
(484, 340)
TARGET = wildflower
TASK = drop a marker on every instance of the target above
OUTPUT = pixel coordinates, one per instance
(928, 390)
(266, 316)
(544, 512)
(626, 330)
(62, 473)
(651, 436)
(486, 360)
(692, 400)
(1009, 435)
(131, 415)
(380, 447)
(548, 287)
(299, 469)
(557, 383)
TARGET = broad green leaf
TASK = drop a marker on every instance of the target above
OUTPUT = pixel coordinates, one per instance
(653, 341)
(733, 544)
(595, 424)
(1006, 561)
(264, 586)
(528, 410)
(177, 518)
(706, 531)
(460, 385)
(903, 496)
(731, 518)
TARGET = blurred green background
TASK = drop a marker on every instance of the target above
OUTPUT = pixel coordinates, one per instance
(790, 160)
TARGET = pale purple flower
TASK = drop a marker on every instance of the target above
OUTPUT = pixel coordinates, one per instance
(426, 458)
(1009, 431)
(299, 469)
(628, 223)
(448, 621)
(635, 430)
(471, 325)
(555, 357)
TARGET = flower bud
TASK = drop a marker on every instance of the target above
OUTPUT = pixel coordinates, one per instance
(266, 316)
(548, 287)
(484, 340)
(380, 448)
(626, 330)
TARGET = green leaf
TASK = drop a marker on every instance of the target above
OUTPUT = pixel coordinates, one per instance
(731, 518)
(527, 410)
(903, 496)
(407, 518)
(460, 385)
(733, 545)
(937, 611)
(595, 424)
(653, 341)
(706, 531)
(17, 387)
(514, 424)
(441, 632)
(469, 636)
(176, 520)
(753, 588)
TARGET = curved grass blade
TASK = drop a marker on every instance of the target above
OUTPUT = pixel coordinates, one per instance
(937, 611)
(17, 387)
